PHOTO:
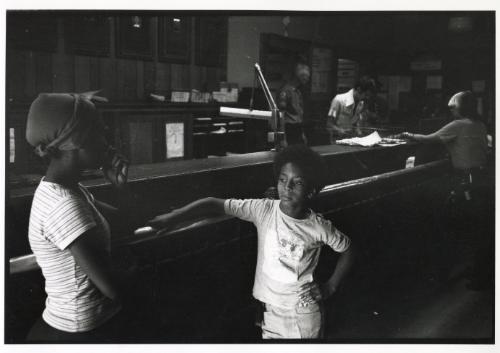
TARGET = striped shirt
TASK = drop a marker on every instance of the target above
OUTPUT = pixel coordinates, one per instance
(59, 215)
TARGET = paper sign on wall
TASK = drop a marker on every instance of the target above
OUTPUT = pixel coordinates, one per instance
(434, 82)
(478, 86)
(405, 84)
(321, 70)
(12, 145)
(426, 65)
(175, 140)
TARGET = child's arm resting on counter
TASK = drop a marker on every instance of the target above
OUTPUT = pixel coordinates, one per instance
(206, 207)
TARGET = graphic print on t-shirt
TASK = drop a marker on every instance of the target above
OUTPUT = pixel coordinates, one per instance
(290, 251)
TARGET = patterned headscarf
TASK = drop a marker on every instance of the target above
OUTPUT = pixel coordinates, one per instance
(60, 121)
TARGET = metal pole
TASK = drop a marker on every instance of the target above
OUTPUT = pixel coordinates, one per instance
(279, 131)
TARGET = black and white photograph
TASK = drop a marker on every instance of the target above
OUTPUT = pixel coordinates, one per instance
(322, 178)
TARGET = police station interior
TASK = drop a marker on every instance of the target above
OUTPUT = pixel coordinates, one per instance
(313, 176)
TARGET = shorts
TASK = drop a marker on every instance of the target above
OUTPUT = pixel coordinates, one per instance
(293, 323)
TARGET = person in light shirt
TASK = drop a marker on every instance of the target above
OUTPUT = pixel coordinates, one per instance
(349, 110)
(290, 236)
(465, 137)
(466, 141)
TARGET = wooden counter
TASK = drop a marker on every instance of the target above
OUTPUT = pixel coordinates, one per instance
(196, 281)
(163, 186)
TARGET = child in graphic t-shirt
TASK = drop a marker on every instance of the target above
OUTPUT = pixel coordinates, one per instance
(290, 236)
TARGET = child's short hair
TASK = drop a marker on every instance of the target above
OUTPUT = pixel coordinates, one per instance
(309, 162)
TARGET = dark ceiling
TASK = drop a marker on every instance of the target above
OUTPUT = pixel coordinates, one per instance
(414, 33)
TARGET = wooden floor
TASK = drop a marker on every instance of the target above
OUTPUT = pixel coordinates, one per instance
(418, 310)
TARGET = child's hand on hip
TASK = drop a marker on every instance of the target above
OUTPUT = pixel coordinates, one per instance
(327, 290)
(310, 293)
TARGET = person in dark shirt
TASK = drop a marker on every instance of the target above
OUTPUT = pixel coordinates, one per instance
(291, 103)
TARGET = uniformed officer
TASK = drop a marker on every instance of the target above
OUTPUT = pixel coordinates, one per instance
(291, 102)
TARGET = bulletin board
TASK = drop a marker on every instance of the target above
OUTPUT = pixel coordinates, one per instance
(278, 55)
(323, 63)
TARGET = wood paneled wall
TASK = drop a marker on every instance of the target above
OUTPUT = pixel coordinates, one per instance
(122, 80)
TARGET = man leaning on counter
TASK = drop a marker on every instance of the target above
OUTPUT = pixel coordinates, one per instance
(349, 110)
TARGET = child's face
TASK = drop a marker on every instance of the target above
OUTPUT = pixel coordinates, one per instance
(93, 154)
(293, 188)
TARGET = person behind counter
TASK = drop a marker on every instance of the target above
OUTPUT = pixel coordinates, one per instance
(465, 137)
(291, 102)
(466, 140)
(67, 233)
(290, 236)
(348, 110)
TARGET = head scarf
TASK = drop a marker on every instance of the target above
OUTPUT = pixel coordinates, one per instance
(60, 121)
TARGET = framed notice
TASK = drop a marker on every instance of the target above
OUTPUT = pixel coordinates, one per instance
(174, 134)
(134, 37)
(87, 35)
(32, 30)
(211, 41)
(278, 54)
(174, 39)
(321, 67)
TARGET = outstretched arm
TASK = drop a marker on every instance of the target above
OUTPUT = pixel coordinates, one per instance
(431, 138)
(206, 207)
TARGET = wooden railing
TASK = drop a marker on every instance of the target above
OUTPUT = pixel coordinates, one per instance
(26, 263)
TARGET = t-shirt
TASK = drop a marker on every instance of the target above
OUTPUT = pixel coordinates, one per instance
(466, 141)
(345, 113)
(291, 102)
(60, 215)
(288, 248)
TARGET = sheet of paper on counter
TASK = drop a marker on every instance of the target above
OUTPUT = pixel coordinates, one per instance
(367, 141)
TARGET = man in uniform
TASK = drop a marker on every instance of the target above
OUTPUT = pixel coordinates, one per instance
(291, 103)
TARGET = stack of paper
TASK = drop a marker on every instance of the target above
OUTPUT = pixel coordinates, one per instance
(367, 141)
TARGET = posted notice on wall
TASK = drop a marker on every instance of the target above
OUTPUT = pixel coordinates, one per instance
(175, 140)
(478, 86)
(12, 145)
(321, 70)
(434, 82)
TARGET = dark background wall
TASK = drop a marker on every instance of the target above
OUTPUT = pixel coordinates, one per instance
(53, 68)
